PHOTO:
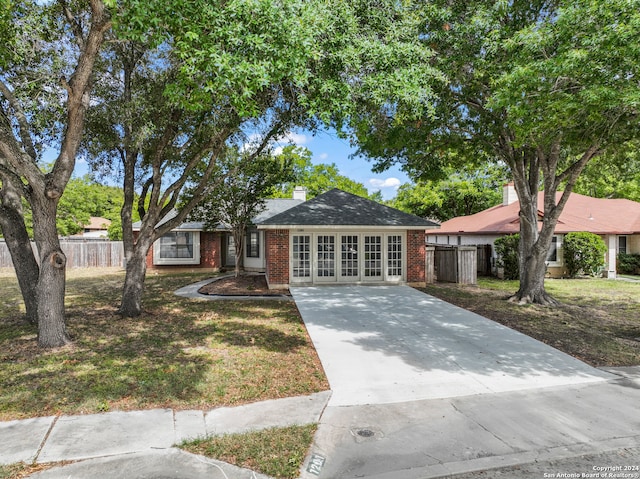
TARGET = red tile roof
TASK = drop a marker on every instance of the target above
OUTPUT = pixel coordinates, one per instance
(581, 213)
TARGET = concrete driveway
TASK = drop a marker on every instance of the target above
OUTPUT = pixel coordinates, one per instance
(390, 344)
(422, 389)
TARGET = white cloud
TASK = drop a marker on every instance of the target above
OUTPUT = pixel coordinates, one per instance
(323, 156)
(295, 138)
(385, 183)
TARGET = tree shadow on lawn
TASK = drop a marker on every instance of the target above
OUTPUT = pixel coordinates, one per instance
(182, 356)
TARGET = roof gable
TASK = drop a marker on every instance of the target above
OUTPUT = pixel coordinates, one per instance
(339, 208)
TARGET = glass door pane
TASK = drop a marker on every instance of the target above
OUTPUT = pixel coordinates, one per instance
(301, 257)
(326, 257)
(349, 267)
(394, 257)
(372, 257)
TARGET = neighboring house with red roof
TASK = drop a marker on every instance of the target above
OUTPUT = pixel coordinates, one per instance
(617, 221)
(96, 228)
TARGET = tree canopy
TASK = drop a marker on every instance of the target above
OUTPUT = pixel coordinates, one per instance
(542, 86)
(459, 194)
(316, 179)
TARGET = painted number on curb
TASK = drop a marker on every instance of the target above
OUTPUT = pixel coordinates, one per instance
(315, 464)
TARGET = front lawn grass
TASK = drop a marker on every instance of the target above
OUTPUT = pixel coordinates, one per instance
(598, 320)
(255, 450)
(180, 353)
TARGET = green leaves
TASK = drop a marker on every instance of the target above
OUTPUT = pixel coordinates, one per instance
(583, 252)
(574, 73)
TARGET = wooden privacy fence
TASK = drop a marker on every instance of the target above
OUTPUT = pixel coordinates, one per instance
(80, 253)
(455, 264)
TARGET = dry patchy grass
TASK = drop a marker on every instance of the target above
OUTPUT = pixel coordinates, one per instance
(597, 322)
(256, 450)
(179, 353)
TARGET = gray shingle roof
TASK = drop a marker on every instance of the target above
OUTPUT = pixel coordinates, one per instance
(339, 208)
(273, 207)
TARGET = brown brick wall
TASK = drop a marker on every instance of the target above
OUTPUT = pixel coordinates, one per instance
(277, 257)
(415, 256)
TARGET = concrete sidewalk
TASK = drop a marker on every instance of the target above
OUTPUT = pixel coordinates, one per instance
(127, 441)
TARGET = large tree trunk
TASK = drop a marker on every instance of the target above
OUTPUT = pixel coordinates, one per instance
(52, 331)
(136, 271)
(534, 245)
(533, 249)
(19, 244)
(527, 165)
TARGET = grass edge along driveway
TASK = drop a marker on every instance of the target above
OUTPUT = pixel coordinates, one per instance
(597, 322)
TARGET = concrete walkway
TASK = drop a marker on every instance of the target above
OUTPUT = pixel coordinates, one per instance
(424, 389)
(127, 441)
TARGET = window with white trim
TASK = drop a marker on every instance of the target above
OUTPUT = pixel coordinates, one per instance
(301, 256)
(177, 247)
(394, 255)
(373, 256)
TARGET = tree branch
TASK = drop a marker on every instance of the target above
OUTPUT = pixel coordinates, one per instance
(23, 123)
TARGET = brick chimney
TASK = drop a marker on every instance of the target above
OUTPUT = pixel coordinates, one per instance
(509, 194)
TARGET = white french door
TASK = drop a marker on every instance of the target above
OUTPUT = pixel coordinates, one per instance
(325, 267)
(301, 259)
(372, 267)
(394, 258)
(347, 257)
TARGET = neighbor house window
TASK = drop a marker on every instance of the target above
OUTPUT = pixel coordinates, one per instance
(253, 244)
(622, 244)
(177, 247)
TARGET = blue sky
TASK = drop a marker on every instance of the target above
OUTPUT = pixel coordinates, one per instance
(328, 148)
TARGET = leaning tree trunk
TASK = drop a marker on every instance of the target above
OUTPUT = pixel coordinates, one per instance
(19, 245)
(52, 331)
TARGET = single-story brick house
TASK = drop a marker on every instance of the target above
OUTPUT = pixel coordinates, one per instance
(334, 238)
(617, 221)
(190, 246)
(338, 237)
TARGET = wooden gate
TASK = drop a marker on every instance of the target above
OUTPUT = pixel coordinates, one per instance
(456, 264)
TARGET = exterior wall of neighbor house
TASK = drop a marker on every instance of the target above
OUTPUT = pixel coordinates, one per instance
(210, 254)
(462, 240)
(557, 270)
(416, 266)
(633, 244)
(277, 258)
